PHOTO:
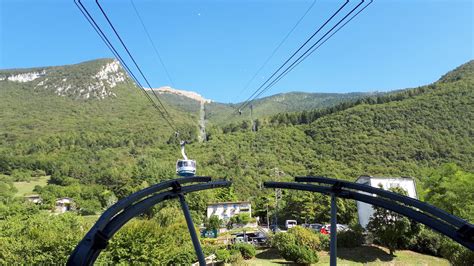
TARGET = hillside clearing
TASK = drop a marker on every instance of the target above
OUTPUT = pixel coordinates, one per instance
(25, 188)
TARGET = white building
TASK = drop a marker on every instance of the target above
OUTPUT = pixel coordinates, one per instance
(64, 204)
(225, 210)
(364, 210)
(36, 199)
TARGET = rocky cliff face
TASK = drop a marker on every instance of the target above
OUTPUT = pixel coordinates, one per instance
(89, 80)
(189, 94)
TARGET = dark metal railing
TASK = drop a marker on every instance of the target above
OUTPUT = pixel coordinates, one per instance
(89, 248)
(449, 225)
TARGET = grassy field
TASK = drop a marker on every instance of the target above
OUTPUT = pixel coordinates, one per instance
(371, 255)
(25, 188)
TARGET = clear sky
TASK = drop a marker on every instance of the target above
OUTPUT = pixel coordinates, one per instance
(214, 47)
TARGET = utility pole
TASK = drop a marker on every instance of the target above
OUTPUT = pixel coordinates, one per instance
(251, 118)
(277, 197)
(268, 219)
(333, 245)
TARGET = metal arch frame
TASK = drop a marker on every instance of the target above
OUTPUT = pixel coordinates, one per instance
(89, 248)
(449, 225)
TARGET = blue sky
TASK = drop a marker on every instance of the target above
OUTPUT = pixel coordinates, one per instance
(215, 47)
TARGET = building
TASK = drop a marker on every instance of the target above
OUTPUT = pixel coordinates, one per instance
(364, 210)
(64, 204)
(225, 210)
(36, 199)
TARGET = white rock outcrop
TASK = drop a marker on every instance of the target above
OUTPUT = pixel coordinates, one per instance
(25, 77)
(189, 94)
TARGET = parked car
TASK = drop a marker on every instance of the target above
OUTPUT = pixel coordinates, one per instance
(326, 229)
(315, 227)
(290, 223)
(274, 228)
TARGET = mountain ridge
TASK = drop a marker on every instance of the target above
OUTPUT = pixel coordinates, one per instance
(94, 79)
(37, 73)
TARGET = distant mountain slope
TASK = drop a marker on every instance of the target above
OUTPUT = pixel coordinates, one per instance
(432, 127)
(88, 80)
(34, 108)
(121, 142)
(98, 80)
(463, 72)
(220, 113)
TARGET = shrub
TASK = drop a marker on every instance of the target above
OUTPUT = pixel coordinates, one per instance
(279, 240)
(247, 250)
(292, 248)
(427, 242)
(306, 237)
(223, 255)
(350, 238)
(235, 257)
(38, 173)
(456, 254)
(325, 241)
(298, 254)
(240, 219)
(20, 175)
(182, 256)
(89, 207)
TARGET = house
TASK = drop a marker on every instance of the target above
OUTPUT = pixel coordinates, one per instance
(36, 199)
(225, 210)
(64, 204)
(364, 210)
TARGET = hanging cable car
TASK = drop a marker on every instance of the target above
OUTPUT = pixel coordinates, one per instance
(185, 167)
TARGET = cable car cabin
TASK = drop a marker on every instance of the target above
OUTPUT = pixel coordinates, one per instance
(186, 167)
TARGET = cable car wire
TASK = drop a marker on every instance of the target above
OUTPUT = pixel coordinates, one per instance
(293, 55)
(107, 42)
(104, 38)
(131, 57)
(306, 56)
(111, 47)
(277, 48)
(158, 55)
(313, 48)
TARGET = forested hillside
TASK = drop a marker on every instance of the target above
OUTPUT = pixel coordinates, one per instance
(96, 150)
(220, 113)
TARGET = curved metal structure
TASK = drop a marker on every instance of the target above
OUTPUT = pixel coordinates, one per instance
(89, 248)
(449, 225)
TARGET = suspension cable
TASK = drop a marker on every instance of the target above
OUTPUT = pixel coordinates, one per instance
(294, 54)
(133, 59)
(158, 55)
(277, 48)
(111, 47)
(313, 48)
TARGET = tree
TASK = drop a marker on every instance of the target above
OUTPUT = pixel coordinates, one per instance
(449, 188)
(391, 229)
(214, 223)
(241, 219)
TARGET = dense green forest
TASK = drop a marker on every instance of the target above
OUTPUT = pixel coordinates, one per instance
(99, 150)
